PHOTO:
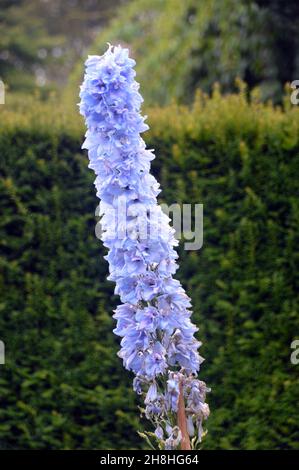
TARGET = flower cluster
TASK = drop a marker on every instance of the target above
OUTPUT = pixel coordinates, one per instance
(158, 342)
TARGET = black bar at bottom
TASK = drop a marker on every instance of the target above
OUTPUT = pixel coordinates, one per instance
(135, 459)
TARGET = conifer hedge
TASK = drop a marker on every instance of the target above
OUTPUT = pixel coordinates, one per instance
(62, 386)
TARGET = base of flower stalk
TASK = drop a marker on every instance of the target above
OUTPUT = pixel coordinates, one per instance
(182, 421)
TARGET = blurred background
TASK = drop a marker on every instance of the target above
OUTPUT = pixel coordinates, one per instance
(183, 45)
(214, 76)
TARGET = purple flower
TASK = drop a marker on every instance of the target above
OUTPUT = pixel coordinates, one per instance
(174, 437)
(151, 394)
(159, 432)
(155, 362)
(148, 319)
(154, 319)
(173, 391)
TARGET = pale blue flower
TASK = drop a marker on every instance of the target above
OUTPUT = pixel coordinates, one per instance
(154, 320)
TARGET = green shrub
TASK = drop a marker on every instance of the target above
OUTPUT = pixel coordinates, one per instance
(180, 46)
(62, 386)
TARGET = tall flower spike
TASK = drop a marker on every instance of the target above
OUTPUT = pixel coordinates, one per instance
(158, 342)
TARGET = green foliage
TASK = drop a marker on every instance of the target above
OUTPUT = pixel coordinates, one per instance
(184, 45)
(41, 40)
(63, 385)
(23, 38)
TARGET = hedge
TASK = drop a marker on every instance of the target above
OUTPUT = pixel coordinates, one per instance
(62, 386)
